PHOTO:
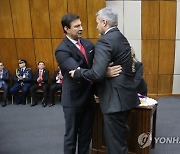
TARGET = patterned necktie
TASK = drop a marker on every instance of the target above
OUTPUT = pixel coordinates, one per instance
(40, 75)
(82, 51)
(60, 79)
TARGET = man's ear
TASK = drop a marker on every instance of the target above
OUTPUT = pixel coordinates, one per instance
(66, 28)
(104, 23)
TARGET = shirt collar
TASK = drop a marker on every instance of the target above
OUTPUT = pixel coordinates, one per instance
(73, 41)
(109, 29)
(23, 68)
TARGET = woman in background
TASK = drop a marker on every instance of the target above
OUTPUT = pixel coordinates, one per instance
(140, 83)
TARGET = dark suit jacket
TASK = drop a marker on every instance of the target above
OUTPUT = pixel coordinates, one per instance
(69, 57)
(119, 93)
(6, 76)
(139, 81)
(54, 76)
(45, 76)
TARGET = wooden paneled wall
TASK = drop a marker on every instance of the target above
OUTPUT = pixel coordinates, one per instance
(31, 29)
(158, 44)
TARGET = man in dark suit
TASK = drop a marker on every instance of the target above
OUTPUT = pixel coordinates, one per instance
(117, 95)
(41, 81)
(22, 81)
(77, 97)
(56, 85)
(4, 82)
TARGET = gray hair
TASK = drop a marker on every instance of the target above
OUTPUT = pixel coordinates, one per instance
(108, 14)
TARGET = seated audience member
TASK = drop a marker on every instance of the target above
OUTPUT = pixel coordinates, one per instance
(139, 81)
(56, 85)
(41, 79)
(22, 81)
(4, 82)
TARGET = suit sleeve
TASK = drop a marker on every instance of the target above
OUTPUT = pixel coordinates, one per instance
(102, 58)
(6, 76)
(65, 60)
(15, 79)
(54, 77)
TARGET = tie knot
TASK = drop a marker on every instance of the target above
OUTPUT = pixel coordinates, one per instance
(79, 43)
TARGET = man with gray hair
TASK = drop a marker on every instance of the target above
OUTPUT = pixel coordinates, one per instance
(117, 95)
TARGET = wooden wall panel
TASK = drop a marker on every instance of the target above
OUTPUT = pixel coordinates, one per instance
(25, 50)
(40, 18)
(165, 83)
(93, 41)
(92, 7)
(6, 27)
(8, 54)
(21, 18)
(150, 49)
(43, 52)
(166, 57)
(55, 43)
(57, 9)
(79, 7)
(167, 19)
(150, 20)
(152, 83)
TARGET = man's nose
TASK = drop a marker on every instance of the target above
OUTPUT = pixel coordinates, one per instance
(81, 28)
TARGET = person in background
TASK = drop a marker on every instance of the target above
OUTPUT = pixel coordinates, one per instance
(118, 95)
(22, 81)
(56, 85)
(4, 83)
(41, 81)
(140, 83)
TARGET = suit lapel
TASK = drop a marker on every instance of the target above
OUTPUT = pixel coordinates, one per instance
(44, 74)
(73, 48)
(4, 72)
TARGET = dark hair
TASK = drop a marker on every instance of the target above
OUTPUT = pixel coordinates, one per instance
(2, 63)
(67, 19)
(41, 62)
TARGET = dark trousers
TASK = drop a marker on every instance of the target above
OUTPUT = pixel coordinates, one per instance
(15, 89)
(79, 126)
(55, 87)
(115, 131)
(35, 87)
(5, 88)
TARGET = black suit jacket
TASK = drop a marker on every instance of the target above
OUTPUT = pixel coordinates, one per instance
(119, 93)
(69, 57)
(54, 76)
(45, 76)
(6, 76)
